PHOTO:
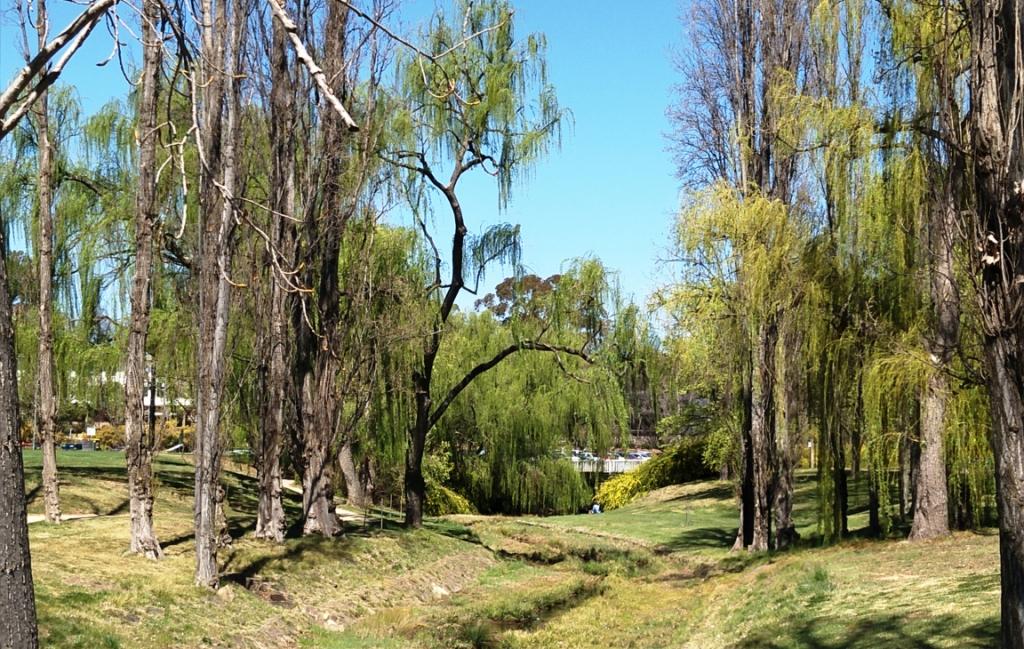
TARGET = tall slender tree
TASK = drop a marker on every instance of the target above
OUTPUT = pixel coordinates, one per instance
(46, 391)
(139, 447)
(270, 522)
(216, 93)
(18, 626)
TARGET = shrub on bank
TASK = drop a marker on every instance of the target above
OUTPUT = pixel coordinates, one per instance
(682, 462)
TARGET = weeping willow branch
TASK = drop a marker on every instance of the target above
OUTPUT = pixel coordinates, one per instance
(78, 30)
(500, 356)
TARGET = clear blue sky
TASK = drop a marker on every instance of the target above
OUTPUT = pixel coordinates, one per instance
(610, 192)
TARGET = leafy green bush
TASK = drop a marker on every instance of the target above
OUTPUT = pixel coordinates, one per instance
(442, 501)
(683, 462)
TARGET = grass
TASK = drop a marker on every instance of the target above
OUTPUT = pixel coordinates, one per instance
(656, 573)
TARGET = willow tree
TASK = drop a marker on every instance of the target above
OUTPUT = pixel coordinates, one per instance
(745, 253)
(483, 103)
(836, 34)
(504, 434)
(749, 56)
(927, 108)
(996, 124)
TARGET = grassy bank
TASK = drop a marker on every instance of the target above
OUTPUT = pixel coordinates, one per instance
(656, 573)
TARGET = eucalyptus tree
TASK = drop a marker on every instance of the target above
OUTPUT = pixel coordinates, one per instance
(482, 102)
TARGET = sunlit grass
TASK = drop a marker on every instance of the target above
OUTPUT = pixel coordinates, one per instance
(657, 573)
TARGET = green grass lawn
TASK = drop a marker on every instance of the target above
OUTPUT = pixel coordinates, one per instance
(656, 573)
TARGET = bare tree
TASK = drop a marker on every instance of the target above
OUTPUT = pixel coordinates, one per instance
(270, 522)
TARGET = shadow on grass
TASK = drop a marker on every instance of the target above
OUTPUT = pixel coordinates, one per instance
(315, 549)
(881, 630)
(716, 491)
(700, 537)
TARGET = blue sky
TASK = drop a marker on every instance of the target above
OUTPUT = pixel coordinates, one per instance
(610, 191)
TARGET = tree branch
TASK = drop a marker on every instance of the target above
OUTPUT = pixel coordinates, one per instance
(498, 358)
(78, 30)
(315, 70)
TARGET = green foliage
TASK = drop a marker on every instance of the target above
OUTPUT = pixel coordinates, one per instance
(442, 501)
(490, 89)
(683, 462)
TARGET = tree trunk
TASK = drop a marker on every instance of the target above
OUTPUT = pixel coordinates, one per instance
(789, 439)
(1006, 385)
(997, 73)
(46, 393)
(139, 444)
(317, 352)
(931, 515)
(317, 487)
(874, 513)
(415, 485)
(354, 475)
(931, 508)
(832, 459)
(270, 520)
(219, 132)
(762, 435)
(18, 625)
(745, 532)
(842, 504)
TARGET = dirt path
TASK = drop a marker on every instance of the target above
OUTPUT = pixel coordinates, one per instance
(39, 518)
(346, 515)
